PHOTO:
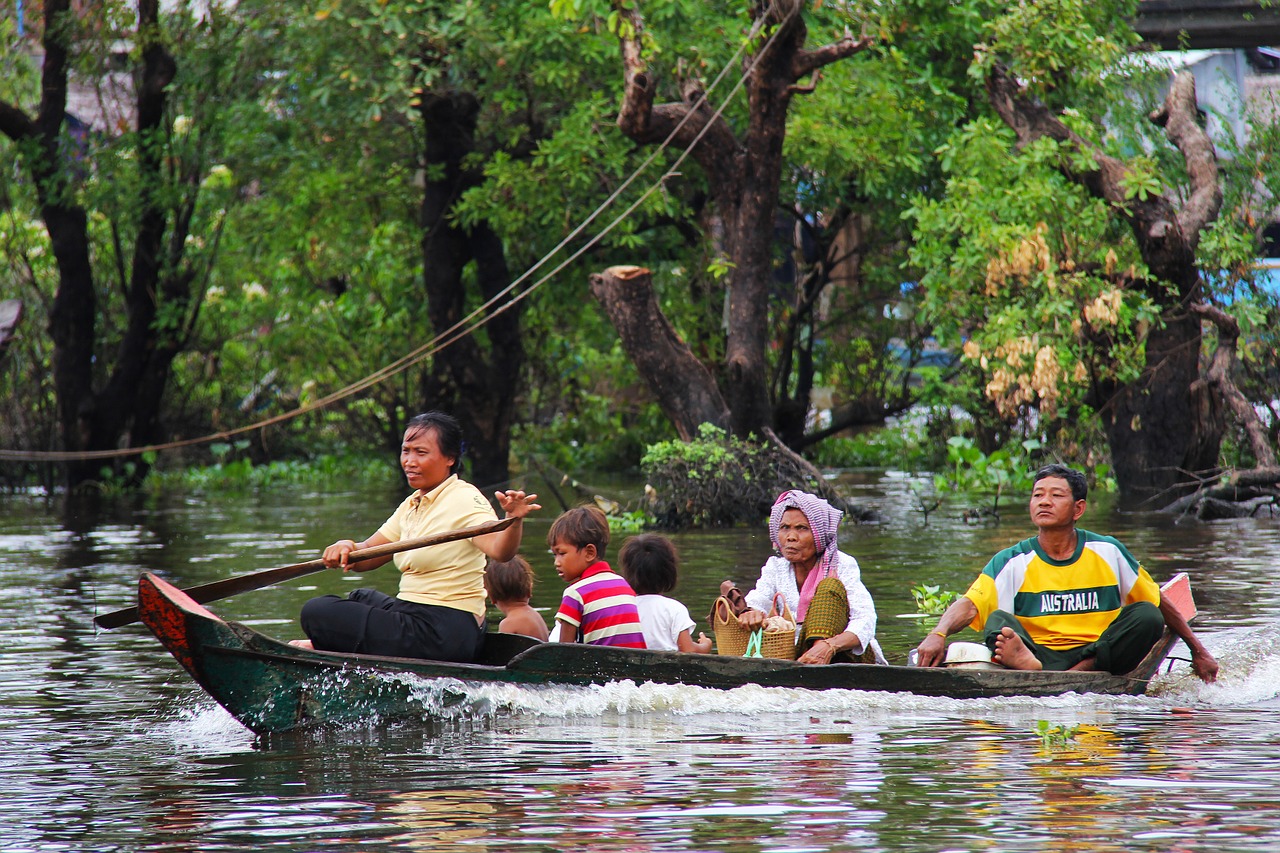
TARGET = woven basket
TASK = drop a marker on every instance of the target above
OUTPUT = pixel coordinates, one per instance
(731, 638)
(781, 643)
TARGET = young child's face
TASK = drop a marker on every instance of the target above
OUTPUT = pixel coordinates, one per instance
(572, 561)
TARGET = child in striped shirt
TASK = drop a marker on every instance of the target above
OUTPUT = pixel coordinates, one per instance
(599, 607)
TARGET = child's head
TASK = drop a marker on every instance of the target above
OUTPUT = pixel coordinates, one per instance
(580, 527)
(578, 538)
(649, 563)
(511, 580)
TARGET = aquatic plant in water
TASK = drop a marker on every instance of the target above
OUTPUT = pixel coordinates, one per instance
(932, 600)
(1055, 736)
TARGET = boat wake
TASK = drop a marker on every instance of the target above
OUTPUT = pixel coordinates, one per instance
(1249, 675)
(1249, 670)
(624, 698)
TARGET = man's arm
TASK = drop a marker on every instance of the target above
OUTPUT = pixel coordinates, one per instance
(1203, 664)
(932, 650)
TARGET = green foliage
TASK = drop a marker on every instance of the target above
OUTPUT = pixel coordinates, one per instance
(125, 179)
(584, 409)
(28, 410)
(716, 480)
(1141, 181)
(1015, 243)
(240, 474)
(295, 145)
(901, 446)
(118, 480)
(863, 127)
(631, 521)
(932, 600)
(1008, 469)
(596, 439)
(1055, 736)
(1040, 284)
(1062, 49)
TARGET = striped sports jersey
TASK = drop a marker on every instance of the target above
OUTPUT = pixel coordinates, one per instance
(602, 606)
(1062, 603)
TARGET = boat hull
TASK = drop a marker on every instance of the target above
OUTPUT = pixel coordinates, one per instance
(271, 686)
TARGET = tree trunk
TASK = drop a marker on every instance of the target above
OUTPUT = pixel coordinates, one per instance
(145, 355)
(126, 410)
(682, 385)
(1161, 428)
(475, 384)
(743, 176)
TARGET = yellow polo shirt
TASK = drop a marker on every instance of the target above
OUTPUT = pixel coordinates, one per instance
(448, 575)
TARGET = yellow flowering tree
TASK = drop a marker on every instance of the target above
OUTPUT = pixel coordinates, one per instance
(1065, 255)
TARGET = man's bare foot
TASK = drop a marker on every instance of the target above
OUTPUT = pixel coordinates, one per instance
(302, 644)
(1013, 653)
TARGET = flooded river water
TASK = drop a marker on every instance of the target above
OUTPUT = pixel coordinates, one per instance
(111, 747)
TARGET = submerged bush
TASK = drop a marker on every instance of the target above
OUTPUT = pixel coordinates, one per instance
(718, 480)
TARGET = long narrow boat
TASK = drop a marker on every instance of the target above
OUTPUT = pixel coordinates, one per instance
(271, 686)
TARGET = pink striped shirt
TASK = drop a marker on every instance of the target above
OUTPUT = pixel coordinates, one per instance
(602, 606)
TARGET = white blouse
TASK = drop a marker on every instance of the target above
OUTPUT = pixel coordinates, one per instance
(777, 576)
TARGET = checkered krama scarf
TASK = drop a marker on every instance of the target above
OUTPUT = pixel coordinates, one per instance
(824, 519)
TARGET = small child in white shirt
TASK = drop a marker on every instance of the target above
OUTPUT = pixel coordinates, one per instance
(650, 564)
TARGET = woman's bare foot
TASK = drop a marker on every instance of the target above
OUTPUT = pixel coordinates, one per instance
(302, 644)
(1013, 653)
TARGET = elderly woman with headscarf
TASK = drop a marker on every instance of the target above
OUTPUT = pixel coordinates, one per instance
(836, 619)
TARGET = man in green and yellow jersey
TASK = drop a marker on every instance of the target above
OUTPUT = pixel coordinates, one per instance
(1065, 599)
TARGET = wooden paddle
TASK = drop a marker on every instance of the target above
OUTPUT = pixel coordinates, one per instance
(257, 580)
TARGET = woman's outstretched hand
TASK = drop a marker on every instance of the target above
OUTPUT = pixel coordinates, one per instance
(516, 504)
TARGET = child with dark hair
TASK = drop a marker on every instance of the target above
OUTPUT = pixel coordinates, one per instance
(599, 606)
(510, 586)
(651, 565)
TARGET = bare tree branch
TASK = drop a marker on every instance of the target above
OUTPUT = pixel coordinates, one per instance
(797, 89)
(16, 124)
(1179, 118)
(808, 61)
(1255, 489)
(639, 119)
(1218, 377)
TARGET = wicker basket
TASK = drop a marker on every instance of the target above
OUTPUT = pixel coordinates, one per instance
(731, 638)
(780, 643)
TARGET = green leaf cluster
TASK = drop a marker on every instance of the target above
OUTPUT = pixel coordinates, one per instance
(1024, 272)
(1055, 736)
(932, 600)
(716, 480)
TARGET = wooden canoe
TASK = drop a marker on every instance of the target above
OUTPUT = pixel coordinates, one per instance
(271, 686)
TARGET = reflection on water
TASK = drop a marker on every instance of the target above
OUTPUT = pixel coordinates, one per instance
(111, 747)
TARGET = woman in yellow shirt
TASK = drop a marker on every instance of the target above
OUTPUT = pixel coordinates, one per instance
(439, 611)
